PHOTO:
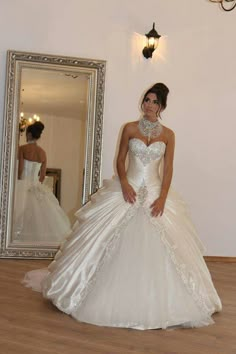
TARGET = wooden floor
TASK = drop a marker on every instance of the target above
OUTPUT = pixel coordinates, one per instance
(30, 324)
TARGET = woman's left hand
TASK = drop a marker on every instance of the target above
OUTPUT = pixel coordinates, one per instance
(158, 207)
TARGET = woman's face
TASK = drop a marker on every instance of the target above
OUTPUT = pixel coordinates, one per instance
(151, 106)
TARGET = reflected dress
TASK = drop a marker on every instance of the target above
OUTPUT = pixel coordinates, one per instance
(38, 217)
(121, 267)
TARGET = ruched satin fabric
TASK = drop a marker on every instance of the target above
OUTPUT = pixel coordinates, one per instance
(122, 267)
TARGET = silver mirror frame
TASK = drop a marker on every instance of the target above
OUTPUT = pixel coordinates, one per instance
(92, 179)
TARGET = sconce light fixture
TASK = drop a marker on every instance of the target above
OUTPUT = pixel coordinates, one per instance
(25, 122)
(152, 42)
(231, 4)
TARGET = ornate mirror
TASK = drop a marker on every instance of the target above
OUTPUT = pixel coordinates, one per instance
(66, 95)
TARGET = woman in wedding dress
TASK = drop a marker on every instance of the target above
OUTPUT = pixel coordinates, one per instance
(134, 258)
(38, 216)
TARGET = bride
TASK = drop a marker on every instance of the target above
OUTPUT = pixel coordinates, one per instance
(38, 217)
(133, 258)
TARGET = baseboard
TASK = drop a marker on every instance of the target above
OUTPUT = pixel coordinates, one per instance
(220, 259)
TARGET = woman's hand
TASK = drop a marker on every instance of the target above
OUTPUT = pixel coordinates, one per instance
(129, 193)
(158, 206)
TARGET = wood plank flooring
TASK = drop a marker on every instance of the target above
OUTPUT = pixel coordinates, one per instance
(31, 325)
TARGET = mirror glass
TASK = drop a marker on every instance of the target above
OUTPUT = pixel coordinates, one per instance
(53, 120)
(60, 101)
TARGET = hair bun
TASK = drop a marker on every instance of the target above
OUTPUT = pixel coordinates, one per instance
(39, 126)
(162, 87)
(161, 91)
(36, 129)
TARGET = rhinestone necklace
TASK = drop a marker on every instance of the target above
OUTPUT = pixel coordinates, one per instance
(150, 129)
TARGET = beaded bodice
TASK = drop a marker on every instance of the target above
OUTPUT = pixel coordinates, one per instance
(144, 162)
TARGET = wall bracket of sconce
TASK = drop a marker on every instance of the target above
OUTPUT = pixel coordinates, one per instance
(231, 4)
(152, 42)
(25, 122)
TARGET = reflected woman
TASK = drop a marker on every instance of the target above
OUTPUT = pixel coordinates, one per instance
(32, 152)
(38, 216)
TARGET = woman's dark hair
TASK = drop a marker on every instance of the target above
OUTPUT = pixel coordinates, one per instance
(35, 129)
(161, 91)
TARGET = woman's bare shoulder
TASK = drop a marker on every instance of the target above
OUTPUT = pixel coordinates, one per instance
(41, 149)
(22, 147)
(131, 126)
(41, 152)
(31, 146)
(32, 149)
(169, 133)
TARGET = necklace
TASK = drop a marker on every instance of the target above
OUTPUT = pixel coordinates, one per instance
(149, 129)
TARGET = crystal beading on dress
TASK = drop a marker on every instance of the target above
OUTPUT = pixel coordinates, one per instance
(150, 153)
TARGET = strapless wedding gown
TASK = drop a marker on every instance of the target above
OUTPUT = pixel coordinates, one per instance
(122, 267)
(38, 216)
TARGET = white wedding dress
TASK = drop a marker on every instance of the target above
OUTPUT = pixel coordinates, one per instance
(38, 217)
(122, 267)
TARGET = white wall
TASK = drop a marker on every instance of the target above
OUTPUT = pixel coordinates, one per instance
(196, 60)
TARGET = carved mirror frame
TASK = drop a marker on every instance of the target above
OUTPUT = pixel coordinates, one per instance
(16, 60)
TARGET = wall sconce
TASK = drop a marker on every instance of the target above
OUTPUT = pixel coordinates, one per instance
(223, 2)
(25, 122)
(152, 42)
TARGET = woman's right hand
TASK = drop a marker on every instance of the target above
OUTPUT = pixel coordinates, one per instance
(129, 193)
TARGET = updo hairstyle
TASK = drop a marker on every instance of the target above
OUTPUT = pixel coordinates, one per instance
(35, 129)
(161, 91)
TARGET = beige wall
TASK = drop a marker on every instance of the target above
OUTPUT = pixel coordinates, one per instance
(196, 58)
(63, 140)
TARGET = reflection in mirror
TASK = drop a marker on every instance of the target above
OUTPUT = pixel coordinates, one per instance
(53, 181)
(37, 217)
(59, 100)
(54, 151)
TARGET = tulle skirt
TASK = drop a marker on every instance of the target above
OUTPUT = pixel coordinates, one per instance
(38, 217)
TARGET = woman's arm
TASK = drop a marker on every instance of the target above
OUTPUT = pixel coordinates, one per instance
(43, 168)
(128, 192)
(168, 165)
(159, 204)
(123, 149)
(20, 162)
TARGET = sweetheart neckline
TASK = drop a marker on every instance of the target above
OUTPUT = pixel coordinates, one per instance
(147, 146)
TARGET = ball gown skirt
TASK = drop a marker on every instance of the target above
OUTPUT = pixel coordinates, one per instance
(122, 267)
(38, 217)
